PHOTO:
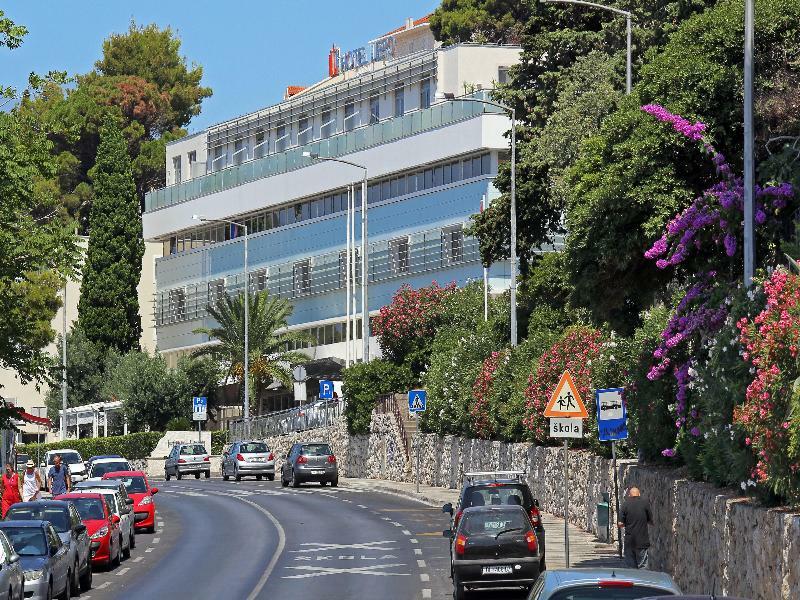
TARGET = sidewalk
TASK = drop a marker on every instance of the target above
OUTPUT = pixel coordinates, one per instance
(584, 549)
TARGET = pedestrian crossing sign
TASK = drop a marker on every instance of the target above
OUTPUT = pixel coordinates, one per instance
(566, 402)
(417, 401)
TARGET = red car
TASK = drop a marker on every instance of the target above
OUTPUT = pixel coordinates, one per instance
(138, 488)
(101, 525)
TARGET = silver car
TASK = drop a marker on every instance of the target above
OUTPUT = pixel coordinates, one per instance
(187, 459)
(248, 458)
(44, 559)
(66, 520)
(120, 504)
(12, 580)
(310, 461)
(602, 584)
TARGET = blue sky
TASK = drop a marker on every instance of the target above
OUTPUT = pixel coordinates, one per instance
(250, 50)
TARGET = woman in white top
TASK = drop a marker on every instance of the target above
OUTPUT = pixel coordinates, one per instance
(31, 482)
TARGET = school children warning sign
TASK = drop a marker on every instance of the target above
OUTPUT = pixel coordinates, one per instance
(566, 402)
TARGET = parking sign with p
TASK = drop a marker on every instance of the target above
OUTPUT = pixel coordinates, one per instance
(325, 389)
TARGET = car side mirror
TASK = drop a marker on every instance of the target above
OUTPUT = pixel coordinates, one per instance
(153, 490)
(79, 529)
(115, 519)
(129, 501)
(448, 508)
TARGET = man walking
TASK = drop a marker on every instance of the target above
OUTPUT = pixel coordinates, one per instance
(635, 517)
(58, 478)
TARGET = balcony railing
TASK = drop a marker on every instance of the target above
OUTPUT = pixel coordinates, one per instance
(321, 413)
(340, 144)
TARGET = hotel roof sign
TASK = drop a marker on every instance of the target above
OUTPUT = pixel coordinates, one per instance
(379, 50)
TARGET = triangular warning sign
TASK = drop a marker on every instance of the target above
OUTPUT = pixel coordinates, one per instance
(566, 401)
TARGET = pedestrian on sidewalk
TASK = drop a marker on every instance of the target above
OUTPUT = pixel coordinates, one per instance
(58, 477)
(635, 518)
(31, 482)
(11, 493)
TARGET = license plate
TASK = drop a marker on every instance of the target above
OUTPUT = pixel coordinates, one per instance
(318, 472)
(257, 459)
(496, 570)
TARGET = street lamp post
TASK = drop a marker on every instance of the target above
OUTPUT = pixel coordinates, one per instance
(246, 318)
(364, 258)
(64, 367)
(39, 410)
(627, 16)
(513, 241)
(749, 246)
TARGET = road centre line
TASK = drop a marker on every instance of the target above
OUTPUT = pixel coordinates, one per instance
(122, 571)
(424, 577)
(103, 586)
(417, 551)
(406, 532)
(138, 559)
(426, 593)
(156, 540)
(414, 541)
(421, 564)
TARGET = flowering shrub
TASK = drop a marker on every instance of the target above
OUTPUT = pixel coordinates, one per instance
(484, 418)
(770, 414)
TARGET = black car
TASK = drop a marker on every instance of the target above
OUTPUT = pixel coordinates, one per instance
(494, 547)
(499, 489)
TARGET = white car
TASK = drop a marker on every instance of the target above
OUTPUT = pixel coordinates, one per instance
(71, 458)
(101, 465)
(120, 506)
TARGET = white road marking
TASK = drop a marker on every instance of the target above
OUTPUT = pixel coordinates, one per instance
(138, 559)
(367, 570)
(424, 577)
(322, 547)
(149, 549)
(413, 541)
(123, 571)
(161, 523)
(103, 586)
(421, 564)
(396, 524)
(417, 551)
(361, 506)
(156, 540)
(426, 593)
(406, 532)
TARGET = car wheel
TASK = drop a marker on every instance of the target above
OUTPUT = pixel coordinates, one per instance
(459, 593)
(225, 476)
(167, 476)
(67, 593)
(271, 477)
(208, 474)
(178, 475)
(197, 475)
(75, 582)
(295, 483)
(126, 552)
(284, 483)
(133, 540)
(259, 477)
(236, 475)
(323, 483)
(118, 559)
(335, 482)
(542, 565)
(49, 593)
(86, 580)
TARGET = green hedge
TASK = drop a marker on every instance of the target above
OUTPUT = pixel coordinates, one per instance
(132, 446)
(218, 440)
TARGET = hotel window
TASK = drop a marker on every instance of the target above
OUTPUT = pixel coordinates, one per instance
(349, 115)
(281, 138)
(239, 152)
(374, 109)
(177, 304)
(304, 131)
(502, 74)
(191, 159)
(176, 167)
(398, 255)
(260, 149)
(452, 244)
(399, 101)
(216, 290)
(258, 281)
(219, 159)
(425, 93)
(301, 273)
(328, 122)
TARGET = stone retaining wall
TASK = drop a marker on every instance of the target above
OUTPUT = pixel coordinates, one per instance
(707, 538)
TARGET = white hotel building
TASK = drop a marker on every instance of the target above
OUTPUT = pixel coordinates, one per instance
(430, 166)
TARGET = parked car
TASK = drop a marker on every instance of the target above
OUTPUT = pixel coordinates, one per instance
(71, 458)
(100, 465)
(248, 458)
(493, 547)
(120, 504)
(138, 488)
(43, 558)
(310, 461)
(187, 459)
(602, 584)
(66, 520)
(497, 489)
(102, 525)
(694, 597)
(12, 579)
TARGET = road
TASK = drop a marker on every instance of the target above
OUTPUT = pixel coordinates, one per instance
(254, 539)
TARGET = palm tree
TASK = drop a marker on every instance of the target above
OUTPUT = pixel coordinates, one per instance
(270, 356)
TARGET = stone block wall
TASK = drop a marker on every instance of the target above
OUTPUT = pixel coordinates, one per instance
(707, 538)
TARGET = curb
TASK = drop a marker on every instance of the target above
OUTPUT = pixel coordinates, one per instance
(384, 487)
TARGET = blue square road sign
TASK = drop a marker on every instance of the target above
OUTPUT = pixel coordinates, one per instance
(325, 389)
(612, 415)
(417, 401)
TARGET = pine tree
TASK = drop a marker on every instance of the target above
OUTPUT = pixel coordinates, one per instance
(108, 310)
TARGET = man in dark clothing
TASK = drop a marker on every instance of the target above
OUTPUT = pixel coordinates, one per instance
(58, 478)
(635, 517)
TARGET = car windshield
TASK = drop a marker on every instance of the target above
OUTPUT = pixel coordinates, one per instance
(100, 469)
(58, 516)
(498, 495)
(90, 509)
(135, 485)
(195, 450)
(70, 458)
(27, 541)
(595, 592)
(253, 447)
(492, 522)
(315, 450)
(111, 498)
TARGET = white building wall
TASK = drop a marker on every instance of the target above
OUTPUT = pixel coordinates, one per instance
(467, 65)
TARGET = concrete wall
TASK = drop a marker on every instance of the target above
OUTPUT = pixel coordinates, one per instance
(707, 538)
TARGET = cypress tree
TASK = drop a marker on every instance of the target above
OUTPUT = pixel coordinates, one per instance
(108, 310)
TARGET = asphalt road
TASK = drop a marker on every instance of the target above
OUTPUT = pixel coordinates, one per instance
(254, 539)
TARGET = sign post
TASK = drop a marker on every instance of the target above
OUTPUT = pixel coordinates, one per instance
(199, 413)
(417, 403)
(566, 412)
(612, 425)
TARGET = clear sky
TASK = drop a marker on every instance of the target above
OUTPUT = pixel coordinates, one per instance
(250, 50)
